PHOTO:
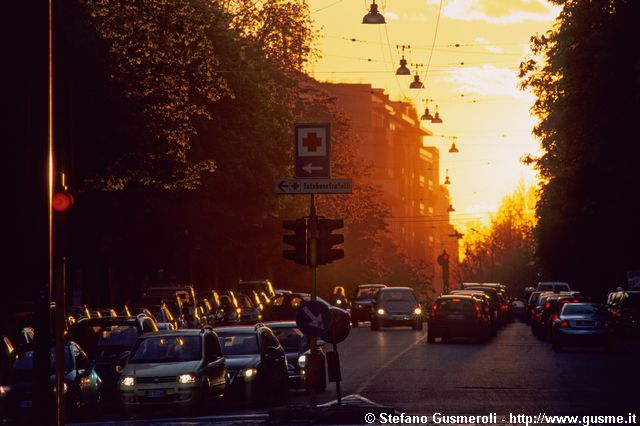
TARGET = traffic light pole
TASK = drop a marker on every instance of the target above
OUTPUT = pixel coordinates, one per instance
(313, 264)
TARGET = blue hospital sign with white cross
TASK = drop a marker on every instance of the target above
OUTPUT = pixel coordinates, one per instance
(312, 151)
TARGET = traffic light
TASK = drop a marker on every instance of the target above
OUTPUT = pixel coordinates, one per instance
(326, 241)
(298, 240)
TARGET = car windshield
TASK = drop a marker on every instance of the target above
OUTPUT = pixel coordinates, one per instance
(583, 310)
(167, 349)
(397, 296)
(25, 362)
(291, 338)
(244, 301)
(238, 344)
(367, 292)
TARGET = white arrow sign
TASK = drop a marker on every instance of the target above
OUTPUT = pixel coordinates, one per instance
(316, 321)
(309, 168)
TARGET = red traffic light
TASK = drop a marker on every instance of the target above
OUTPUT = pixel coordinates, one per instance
(61, 201)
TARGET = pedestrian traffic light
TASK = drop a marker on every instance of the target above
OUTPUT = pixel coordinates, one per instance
(326, 240)
(298, 240)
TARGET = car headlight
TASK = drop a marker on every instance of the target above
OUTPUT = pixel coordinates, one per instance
(119, 368)
(127, 381)
(64, 388)
(187, 378)
(380, 311)
(248, 373)
(417, 311)
(338, 302)
(302, 361)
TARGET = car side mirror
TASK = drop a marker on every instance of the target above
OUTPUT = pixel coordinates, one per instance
(82, 372)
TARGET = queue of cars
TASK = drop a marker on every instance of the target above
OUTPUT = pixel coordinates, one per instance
(566, 318)
(476, 312)
(176, 350)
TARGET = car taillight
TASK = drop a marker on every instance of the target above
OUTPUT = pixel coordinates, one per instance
(547, 305)
(554, 317)
(486, 309)
(479, 315)
(477, 307)
(617, 314)
(605, 324)
(564, 324)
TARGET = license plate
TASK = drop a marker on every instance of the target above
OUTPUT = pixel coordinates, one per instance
(400, 317)
(585, 323)
(155, 393)
(25, 404)
(455, 317)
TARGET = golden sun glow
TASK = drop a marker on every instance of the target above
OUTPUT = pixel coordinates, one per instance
(467, 53)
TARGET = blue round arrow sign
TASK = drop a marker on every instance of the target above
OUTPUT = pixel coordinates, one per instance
(313, 318)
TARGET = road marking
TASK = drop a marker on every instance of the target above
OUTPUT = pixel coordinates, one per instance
(387, 364)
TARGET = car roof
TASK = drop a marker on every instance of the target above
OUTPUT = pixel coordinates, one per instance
(237, 329)
(455, 296)
(281, 324)
(397, 288)
(174, 333)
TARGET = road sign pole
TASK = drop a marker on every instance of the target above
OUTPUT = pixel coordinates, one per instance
(313, 254)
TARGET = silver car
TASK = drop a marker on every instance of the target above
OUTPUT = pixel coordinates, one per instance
(580, 323)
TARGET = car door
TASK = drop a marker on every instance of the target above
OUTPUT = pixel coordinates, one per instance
(214, 364)
(86, 378)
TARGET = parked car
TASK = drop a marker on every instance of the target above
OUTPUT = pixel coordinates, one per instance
(296, 347)
(361, 302)
(182, 369)
(457, 316)
(108, 342)
(582, 323)
(256, 361)
(82, 385)
(393, 306)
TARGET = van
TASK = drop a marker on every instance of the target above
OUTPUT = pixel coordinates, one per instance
(554, 286)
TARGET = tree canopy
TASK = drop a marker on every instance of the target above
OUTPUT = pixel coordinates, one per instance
(586, 82)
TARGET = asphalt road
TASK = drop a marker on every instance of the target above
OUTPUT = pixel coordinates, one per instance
(512, 373)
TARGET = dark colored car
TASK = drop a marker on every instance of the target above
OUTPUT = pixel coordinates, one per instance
(582, 323)
(108, 342)
(361, 302)
(457, 316)
(496, 303)
(82, 385)
(532, 301)
(296, 346)
(551, 312)
(256, 362)
(537, 321)
(396, 306)
(485, 306)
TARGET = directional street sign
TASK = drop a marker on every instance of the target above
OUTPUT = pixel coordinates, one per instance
(313, 186)
(313, 318)
(312, 151)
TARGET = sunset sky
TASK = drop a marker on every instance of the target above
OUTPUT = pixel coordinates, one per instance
(474, 83)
